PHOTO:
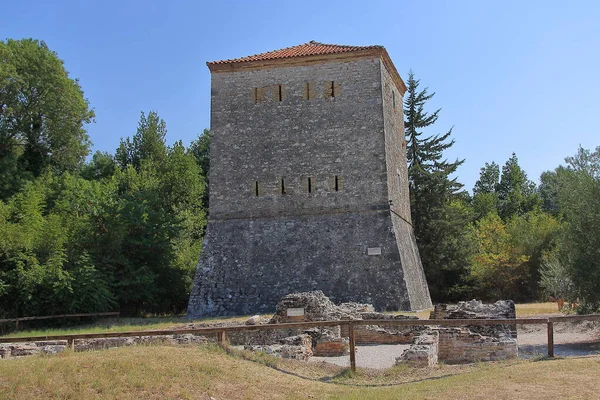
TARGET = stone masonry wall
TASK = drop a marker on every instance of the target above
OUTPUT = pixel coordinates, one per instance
(459, 346)
(299, 193)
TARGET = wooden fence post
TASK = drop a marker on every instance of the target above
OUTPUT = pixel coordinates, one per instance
(71, 344)
(352, 347)
(550, 339)
(17, 324)
(222, 338)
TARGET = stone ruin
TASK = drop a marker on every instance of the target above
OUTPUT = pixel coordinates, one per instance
(452, 345)
(428, 345)
(8, 350)
(475, 309)
(459, 345)
(333, 341)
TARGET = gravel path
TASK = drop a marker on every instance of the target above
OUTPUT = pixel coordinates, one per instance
(570, 339)
(376, 356)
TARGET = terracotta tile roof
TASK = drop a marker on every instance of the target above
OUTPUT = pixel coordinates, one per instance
(311, 48)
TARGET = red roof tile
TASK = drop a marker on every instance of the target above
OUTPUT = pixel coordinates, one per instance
(311, 48)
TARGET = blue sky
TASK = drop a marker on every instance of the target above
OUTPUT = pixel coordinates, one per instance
(510, 76)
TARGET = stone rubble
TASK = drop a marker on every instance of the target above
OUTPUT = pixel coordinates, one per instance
(451, 345)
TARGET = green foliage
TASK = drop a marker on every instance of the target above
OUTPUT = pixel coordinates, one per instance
(508, 256)
(42, 114)
(200, 148)
(555, 278)
(578, 194)
(439, 214)
(115, 237)
(517, 195)
(147, 144)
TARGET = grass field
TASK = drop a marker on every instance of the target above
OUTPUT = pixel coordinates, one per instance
(186, 372)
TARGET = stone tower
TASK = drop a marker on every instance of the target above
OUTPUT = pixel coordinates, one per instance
(308, 183)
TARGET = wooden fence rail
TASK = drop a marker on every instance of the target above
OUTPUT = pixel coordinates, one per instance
(351, 324)
(17, 320)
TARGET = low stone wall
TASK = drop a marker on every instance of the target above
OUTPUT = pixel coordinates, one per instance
(55, 346)
(332, 348)
(8, 350)
(423, 353)
(376, 334)
(475, 309)
(460, 346)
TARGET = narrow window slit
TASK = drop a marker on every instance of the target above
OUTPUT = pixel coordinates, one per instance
(256, 188)
(255, 95)
(282, 186)
(307, 91)
(336, 187)
(280, 93)
(332, 89)
(309, 185)
(394, 99)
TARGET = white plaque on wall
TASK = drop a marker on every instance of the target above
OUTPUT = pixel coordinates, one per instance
(374, 251)
(295, 312)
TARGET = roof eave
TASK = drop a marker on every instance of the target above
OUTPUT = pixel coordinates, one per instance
(235, 66)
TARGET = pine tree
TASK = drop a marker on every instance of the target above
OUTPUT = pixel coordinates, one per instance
(439, 212)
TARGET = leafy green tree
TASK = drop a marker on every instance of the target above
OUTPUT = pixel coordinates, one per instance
(578, 194)
(509, 254)
(555, 278)
(200, 148)
(485, 196)
(42, 114)
(439, 217)
(102, 166)
(147, 144)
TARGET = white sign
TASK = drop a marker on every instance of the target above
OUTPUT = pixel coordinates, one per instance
(374, 251)
(295, 312)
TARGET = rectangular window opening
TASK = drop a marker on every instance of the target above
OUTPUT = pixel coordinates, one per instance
(280, 93)
(394, 99)
(309, 185)
(282, 186)
(307, 91)
(256, 188)
(332, 89)
(336, 186)
(255, 95)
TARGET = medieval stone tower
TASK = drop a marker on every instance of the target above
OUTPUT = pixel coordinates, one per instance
(308, 183)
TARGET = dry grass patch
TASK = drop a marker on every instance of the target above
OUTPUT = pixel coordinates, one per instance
(125, 325)
(535, 309)
(197, 372)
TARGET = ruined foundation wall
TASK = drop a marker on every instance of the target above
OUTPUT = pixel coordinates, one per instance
(459, 346)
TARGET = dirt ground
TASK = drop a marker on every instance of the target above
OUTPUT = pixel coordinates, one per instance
(570, 338)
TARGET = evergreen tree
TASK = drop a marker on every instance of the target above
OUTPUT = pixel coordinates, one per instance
(200, 149)
(517, 195)
(485, 195)
(439, 214)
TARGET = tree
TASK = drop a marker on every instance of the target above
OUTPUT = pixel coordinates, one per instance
(102, 166)
(200, 149)
(578, 194)
(148, 144)
(42, 114)
(516, 193)
(485, 195)
(439, 217)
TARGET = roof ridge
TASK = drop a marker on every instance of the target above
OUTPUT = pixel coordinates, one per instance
(310, 48)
